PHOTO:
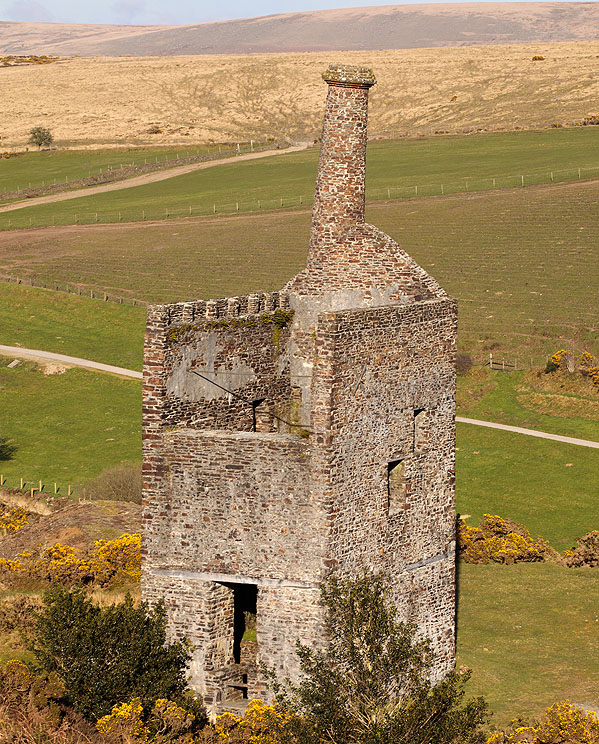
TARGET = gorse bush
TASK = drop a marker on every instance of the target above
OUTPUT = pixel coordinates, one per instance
(108, 563)
(372, 685)
(106, 656)
(499, 540)
(562, 723)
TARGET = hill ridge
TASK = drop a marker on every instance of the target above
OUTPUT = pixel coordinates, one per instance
(367, 28)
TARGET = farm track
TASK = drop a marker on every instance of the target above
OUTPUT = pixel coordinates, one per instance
(162, 175)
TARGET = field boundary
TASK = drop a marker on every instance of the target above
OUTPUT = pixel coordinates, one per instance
(462, 186)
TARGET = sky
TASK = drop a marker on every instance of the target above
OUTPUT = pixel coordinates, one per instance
(161, 12)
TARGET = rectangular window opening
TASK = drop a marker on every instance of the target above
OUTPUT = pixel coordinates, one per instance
(421, 429)
(397, 486)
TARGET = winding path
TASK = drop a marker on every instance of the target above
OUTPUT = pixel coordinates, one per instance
(48, 356)
(161, 175)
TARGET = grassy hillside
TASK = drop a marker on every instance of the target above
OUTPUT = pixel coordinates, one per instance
(521, 262)
(66, 427)
(232, 97)
(401, 168)
(530, 632)
(38, 169)
(66, 324)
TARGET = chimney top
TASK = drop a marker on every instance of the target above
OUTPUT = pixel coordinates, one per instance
(351, 76)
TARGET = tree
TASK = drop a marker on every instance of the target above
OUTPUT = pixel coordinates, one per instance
(40, 136)
(372, 684)
(110, 655)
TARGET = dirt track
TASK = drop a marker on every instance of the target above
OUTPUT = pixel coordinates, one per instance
(162, 175)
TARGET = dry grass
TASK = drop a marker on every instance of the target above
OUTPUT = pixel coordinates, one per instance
(230, 97)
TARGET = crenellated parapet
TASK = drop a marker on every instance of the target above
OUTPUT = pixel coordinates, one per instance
(256, 303)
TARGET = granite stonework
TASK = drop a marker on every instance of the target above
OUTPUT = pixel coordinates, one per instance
(295, 434)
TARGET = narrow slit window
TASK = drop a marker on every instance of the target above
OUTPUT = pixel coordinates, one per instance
(397, 486)
(421, 429)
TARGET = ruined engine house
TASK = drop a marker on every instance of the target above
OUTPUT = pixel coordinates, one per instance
(291, 435)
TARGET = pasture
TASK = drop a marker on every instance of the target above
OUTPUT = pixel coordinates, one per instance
(32, 170)
(67, 324)
(396, 168)
(66, 427)
(521, 262)
(530, 633)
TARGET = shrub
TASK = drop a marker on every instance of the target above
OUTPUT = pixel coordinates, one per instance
(463, 363)
(32, 709)
(104, 656)
(373, 681)
(500, 540)
(561, 723)
(40, 136)
(590, 120)
(119, 483)
(538, 58)
(109, 562)
(585, 553)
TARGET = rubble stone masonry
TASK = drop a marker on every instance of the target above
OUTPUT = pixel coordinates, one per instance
(296, 434)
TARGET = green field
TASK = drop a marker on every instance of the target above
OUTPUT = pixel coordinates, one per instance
(77, 326)
(395, 167)
(33, 170)
(522, 263)
(66, 427)
(549, 487)
(530, 632)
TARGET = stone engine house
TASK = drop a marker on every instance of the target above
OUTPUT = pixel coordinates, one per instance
(290, 435)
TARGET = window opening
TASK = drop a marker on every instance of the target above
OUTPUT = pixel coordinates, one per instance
(256, 413)
(397, 486)
(421, 429)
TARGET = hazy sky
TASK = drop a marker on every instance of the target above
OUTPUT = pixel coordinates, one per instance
(159, 11)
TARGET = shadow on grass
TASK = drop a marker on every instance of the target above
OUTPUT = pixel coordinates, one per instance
(7, 449)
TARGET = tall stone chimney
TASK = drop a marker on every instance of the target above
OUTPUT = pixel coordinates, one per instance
(351, 263)
(340, 186)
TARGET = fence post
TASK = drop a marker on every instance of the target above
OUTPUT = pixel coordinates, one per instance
(415, 190)
(493, 183)
(214, 208)
(40, 488)
(522, 177)
(55, 488)
(466, 185)
(21, 484)
(237, 206)
(551, 174)
(388, 193)
(442, 190)
(259, 205)
(491, 360)
(69, 490)
(579, 173)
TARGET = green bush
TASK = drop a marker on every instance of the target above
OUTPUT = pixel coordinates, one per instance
(372, 685)
(40, 136)
(106, 656)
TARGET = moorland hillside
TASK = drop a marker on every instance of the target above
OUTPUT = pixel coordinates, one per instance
(192, 99)
(383, 27)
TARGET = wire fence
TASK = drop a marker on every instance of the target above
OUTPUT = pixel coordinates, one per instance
(72, 288)
(13, 220)
(18, 189)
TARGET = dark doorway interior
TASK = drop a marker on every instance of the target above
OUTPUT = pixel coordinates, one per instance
(245, 601)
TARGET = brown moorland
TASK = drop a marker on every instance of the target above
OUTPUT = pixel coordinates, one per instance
(381, 27)
(99, 101)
